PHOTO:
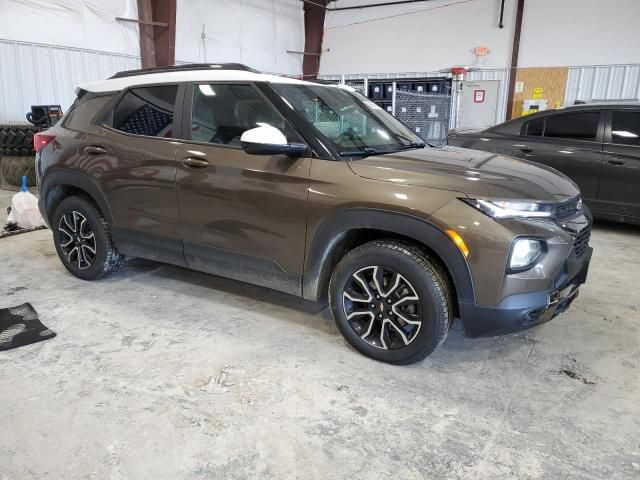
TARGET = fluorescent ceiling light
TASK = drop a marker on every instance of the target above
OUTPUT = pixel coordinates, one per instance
(207, 90)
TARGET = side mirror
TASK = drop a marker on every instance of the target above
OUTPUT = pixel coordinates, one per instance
(268, 140)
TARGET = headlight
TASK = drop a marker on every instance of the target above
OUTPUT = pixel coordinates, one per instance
(512, 209)
(525, 253)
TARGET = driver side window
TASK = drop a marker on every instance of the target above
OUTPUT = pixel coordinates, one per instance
(222, 113)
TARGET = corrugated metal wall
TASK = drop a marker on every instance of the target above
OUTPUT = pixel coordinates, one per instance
(610, 82)
(33, 74)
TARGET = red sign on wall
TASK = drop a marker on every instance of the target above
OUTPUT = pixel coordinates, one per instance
(478, 96)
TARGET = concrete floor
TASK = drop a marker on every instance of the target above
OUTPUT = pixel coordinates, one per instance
(164, 373)
(5, 201)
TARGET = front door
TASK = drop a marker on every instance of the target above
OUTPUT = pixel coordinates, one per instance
(620, 184)
(243, 216)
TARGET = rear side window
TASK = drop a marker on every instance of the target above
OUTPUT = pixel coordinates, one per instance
(533, 128)
(577, 126)
(625, 128)
(147, 111)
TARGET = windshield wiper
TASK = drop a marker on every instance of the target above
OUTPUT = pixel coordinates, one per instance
(412, 144)
(359, 153)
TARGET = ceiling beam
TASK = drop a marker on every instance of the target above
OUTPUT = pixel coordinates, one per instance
(314, 13)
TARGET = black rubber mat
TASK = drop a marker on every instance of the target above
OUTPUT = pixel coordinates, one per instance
(20, 326)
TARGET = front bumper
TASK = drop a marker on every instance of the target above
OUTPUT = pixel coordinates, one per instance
(522, 311)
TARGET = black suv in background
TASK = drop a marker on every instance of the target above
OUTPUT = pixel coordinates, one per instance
(597, 146)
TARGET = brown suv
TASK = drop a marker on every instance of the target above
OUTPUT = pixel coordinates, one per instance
(315, 191)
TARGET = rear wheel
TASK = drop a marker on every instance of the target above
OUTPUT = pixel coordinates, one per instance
(83, 239)
(391, 302)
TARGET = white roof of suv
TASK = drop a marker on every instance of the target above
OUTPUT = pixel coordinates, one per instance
(186, 73)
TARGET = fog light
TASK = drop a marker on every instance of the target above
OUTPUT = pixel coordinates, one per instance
(525, 252)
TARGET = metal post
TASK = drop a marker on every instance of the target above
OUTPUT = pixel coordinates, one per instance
(366, 86)
(393, 100)
(457, 84)
(514, 58)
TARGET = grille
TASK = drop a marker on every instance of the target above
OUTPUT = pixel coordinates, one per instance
(581, 241)
(568, 208)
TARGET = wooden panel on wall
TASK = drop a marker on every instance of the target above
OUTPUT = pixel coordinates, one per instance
(552, 80)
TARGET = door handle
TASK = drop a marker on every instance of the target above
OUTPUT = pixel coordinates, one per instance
(195, 162)
(95, 150)
(616, 162)
(526, 149)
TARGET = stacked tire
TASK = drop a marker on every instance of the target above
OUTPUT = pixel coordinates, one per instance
(17, 154)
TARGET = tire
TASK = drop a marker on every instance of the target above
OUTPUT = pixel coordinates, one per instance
(77, 219)
(412, 312)
(14, 167)
(17, 138)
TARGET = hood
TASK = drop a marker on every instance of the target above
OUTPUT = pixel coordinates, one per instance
(474, 173)
(465, 131)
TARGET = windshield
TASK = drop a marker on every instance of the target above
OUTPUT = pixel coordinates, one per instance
(348, 120)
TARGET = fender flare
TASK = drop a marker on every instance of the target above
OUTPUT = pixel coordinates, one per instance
(335, 228)
(76, 179)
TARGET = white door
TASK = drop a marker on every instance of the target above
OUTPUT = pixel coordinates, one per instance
(479, 104)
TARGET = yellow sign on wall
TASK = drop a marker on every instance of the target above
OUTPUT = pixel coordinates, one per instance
(538, 92)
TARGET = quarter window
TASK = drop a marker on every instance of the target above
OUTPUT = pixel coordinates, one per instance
(147, 111)
(578, 126)
(222, 113)
(534, 128)
(83, 112)
(625, 128)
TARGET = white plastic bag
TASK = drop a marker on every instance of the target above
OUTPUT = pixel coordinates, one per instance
(24, 209)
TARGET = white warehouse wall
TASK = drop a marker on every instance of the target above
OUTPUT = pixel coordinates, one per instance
(580, 32)
(85, 24)
(257, 33)
(48, 47)
(429, 36)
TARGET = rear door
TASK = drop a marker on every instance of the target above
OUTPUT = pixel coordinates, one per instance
(132, 158)
(620, 184)
(570, 142)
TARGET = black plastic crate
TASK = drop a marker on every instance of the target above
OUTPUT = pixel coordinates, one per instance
(419, 87)
(376, 91)
(388, 90)
(438, 87)
(404, 86)
(435, 87)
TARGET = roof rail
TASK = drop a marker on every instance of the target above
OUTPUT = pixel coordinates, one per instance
(185, 67)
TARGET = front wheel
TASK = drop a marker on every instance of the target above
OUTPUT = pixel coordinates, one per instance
(391, 302)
